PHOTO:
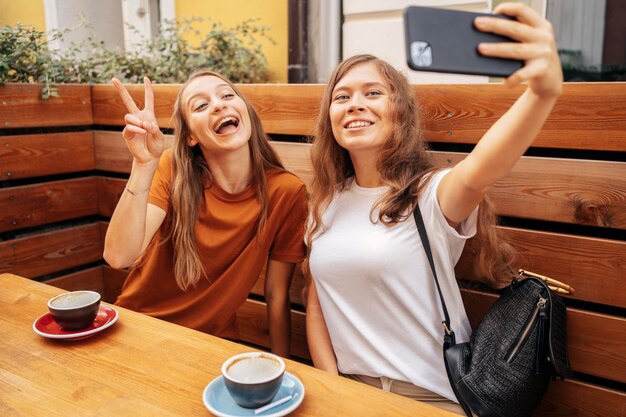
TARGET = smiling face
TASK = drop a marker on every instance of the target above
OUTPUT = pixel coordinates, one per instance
(218, 118)
(360, 110)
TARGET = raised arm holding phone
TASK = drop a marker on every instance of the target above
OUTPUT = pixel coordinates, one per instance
(373, 312)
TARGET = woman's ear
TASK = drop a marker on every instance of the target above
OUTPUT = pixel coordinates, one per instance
(192, 141)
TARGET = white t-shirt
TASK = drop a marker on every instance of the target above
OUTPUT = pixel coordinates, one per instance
(377, 292)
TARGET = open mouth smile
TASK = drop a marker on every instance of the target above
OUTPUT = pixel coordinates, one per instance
(226, 124)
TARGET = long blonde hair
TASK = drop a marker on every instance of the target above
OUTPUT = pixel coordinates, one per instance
(190, 173)
(402, 164)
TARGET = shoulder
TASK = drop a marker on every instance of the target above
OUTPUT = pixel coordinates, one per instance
(166, 160)
(431, 181)
(284, 182)
(164, 170)
(427, 199)
(167, 156)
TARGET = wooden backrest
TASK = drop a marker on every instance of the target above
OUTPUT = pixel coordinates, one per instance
(565, 205)
(589, 116)
(22, 106)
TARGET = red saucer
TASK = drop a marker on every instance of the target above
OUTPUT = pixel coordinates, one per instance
(46, 326)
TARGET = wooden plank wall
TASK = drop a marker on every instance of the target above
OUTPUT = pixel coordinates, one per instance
(48, 196)
(564, 209)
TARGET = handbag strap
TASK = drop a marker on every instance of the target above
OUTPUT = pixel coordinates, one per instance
(448, 338)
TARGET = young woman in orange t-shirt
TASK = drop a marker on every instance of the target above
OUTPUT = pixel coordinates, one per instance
(198, 222)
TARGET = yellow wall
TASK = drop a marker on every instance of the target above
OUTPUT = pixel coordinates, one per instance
(28, 12)
(272, 13)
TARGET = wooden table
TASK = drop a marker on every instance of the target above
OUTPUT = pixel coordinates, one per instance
(143, 366)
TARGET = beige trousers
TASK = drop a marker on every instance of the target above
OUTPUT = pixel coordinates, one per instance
(406, 389)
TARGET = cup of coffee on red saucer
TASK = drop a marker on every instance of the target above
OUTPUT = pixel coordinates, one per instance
(74, 310)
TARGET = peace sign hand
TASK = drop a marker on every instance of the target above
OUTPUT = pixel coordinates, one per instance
(143, 136)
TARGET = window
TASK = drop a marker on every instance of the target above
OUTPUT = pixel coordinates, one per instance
(590, 38)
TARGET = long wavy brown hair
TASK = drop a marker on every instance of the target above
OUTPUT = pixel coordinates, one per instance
(190, 174)
(403, 165)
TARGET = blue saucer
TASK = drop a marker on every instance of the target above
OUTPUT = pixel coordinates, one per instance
(219, 402)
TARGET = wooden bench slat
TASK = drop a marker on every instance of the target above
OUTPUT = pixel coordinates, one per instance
(597, 344)
(595, 341)
(576, 260)
(589, 116)
(108, 108)
(111, 153)
(39, 204)
(296, 158)
(575, 398)
(286, 109)
(27, 156)
(297, 105)
(103, 225)
(87, 279)
(572, 191)
(20, 101)
(253, 327)
(45, 253)
(109, 192)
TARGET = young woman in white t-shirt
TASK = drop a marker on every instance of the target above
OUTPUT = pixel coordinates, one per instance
(372, 311)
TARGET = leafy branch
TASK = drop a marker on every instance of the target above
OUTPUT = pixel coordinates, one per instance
(167, 58)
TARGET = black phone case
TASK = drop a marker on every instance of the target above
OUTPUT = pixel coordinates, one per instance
(442, 40)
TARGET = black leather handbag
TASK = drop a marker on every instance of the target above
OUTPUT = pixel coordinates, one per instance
(518, 346)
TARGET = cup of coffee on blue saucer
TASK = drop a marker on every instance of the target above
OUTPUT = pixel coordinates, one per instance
(253, 378)
(74, 310)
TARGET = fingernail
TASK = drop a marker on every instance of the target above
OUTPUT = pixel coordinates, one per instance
(480, 21)
(484, 47)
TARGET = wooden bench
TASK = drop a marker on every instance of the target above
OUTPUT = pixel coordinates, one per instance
(564, 205)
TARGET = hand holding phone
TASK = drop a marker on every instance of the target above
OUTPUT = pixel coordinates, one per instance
(442, 40)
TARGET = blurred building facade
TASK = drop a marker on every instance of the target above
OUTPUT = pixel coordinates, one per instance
(312, 36)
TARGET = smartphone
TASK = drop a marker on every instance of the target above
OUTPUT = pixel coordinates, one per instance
(442, 40)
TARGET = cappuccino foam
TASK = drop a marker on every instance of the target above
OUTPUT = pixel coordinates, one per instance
(251, 370)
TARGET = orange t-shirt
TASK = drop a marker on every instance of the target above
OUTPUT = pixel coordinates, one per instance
(231, 256)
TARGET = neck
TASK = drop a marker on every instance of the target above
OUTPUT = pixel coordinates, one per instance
(232, 171)
(365, 171)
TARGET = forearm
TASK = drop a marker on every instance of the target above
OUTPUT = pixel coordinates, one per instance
(279, 317)
(318, 338)
(127, 228)
(507, 140)
(277, 282)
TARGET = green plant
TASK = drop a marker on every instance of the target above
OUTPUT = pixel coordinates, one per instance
(168, 58)
(25, 57)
